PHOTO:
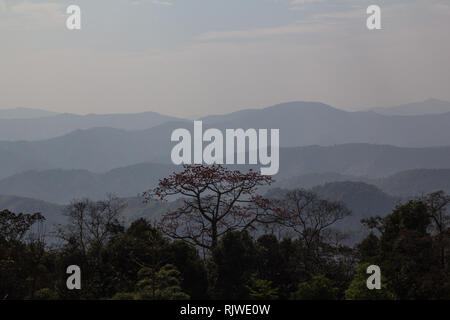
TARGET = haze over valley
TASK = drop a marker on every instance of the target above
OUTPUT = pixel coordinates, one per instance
(370, 160)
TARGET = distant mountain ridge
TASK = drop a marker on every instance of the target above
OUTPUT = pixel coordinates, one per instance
(415, 182)
(55, 213)
(404, 184)
(104, 149)
(25, 113)
(304, 169)
(430, 106)
(366, 160)
(314, 123)
(96, 150)
(62, 186)
(362, 199)
(52, 212)
(300, 124)
(55, 125)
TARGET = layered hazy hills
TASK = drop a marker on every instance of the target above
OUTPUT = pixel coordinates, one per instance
(372, 161)
(97, 150)
(135, 207)
(415, 182)
(362, 199)
(300, 124)
(111, 148)
(16, 125)
(61, 186)
(312, 123)
(404, 184)
(366, 199)
(320, 144)
(52, 212)
(430, 106)
(25, 113)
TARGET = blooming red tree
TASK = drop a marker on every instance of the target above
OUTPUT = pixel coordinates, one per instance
(215, 200)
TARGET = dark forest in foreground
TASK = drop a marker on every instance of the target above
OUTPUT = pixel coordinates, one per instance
(225, 241)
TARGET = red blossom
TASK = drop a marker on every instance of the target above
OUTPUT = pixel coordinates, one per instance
(215, 201)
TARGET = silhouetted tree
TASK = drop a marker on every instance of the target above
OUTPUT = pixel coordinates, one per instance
(235, 259)
(14, 227)
(408, 251)
(312, 219)
(259, 289)
(139, 246)
(215, 201)
(24, 261)
(438, 203)
(317, 288)
(186, 259)
(162, 284)
(310, 216)
(91, 224)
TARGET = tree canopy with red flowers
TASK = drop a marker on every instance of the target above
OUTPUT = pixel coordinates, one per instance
(215, 200)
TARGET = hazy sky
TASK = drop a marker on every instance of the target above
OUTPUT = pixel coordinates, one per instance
(196, 57)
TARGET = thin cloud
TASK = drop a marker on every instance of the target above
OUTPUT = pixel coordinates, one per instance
(296, 28)
(162, 3)
(27, 14)
(313, 24)
(305, 1)
(298, 5)
(2, 6)
(27, 7)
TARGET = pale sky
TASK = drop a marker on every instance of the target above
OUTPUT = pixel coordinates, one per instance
(197, 57)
